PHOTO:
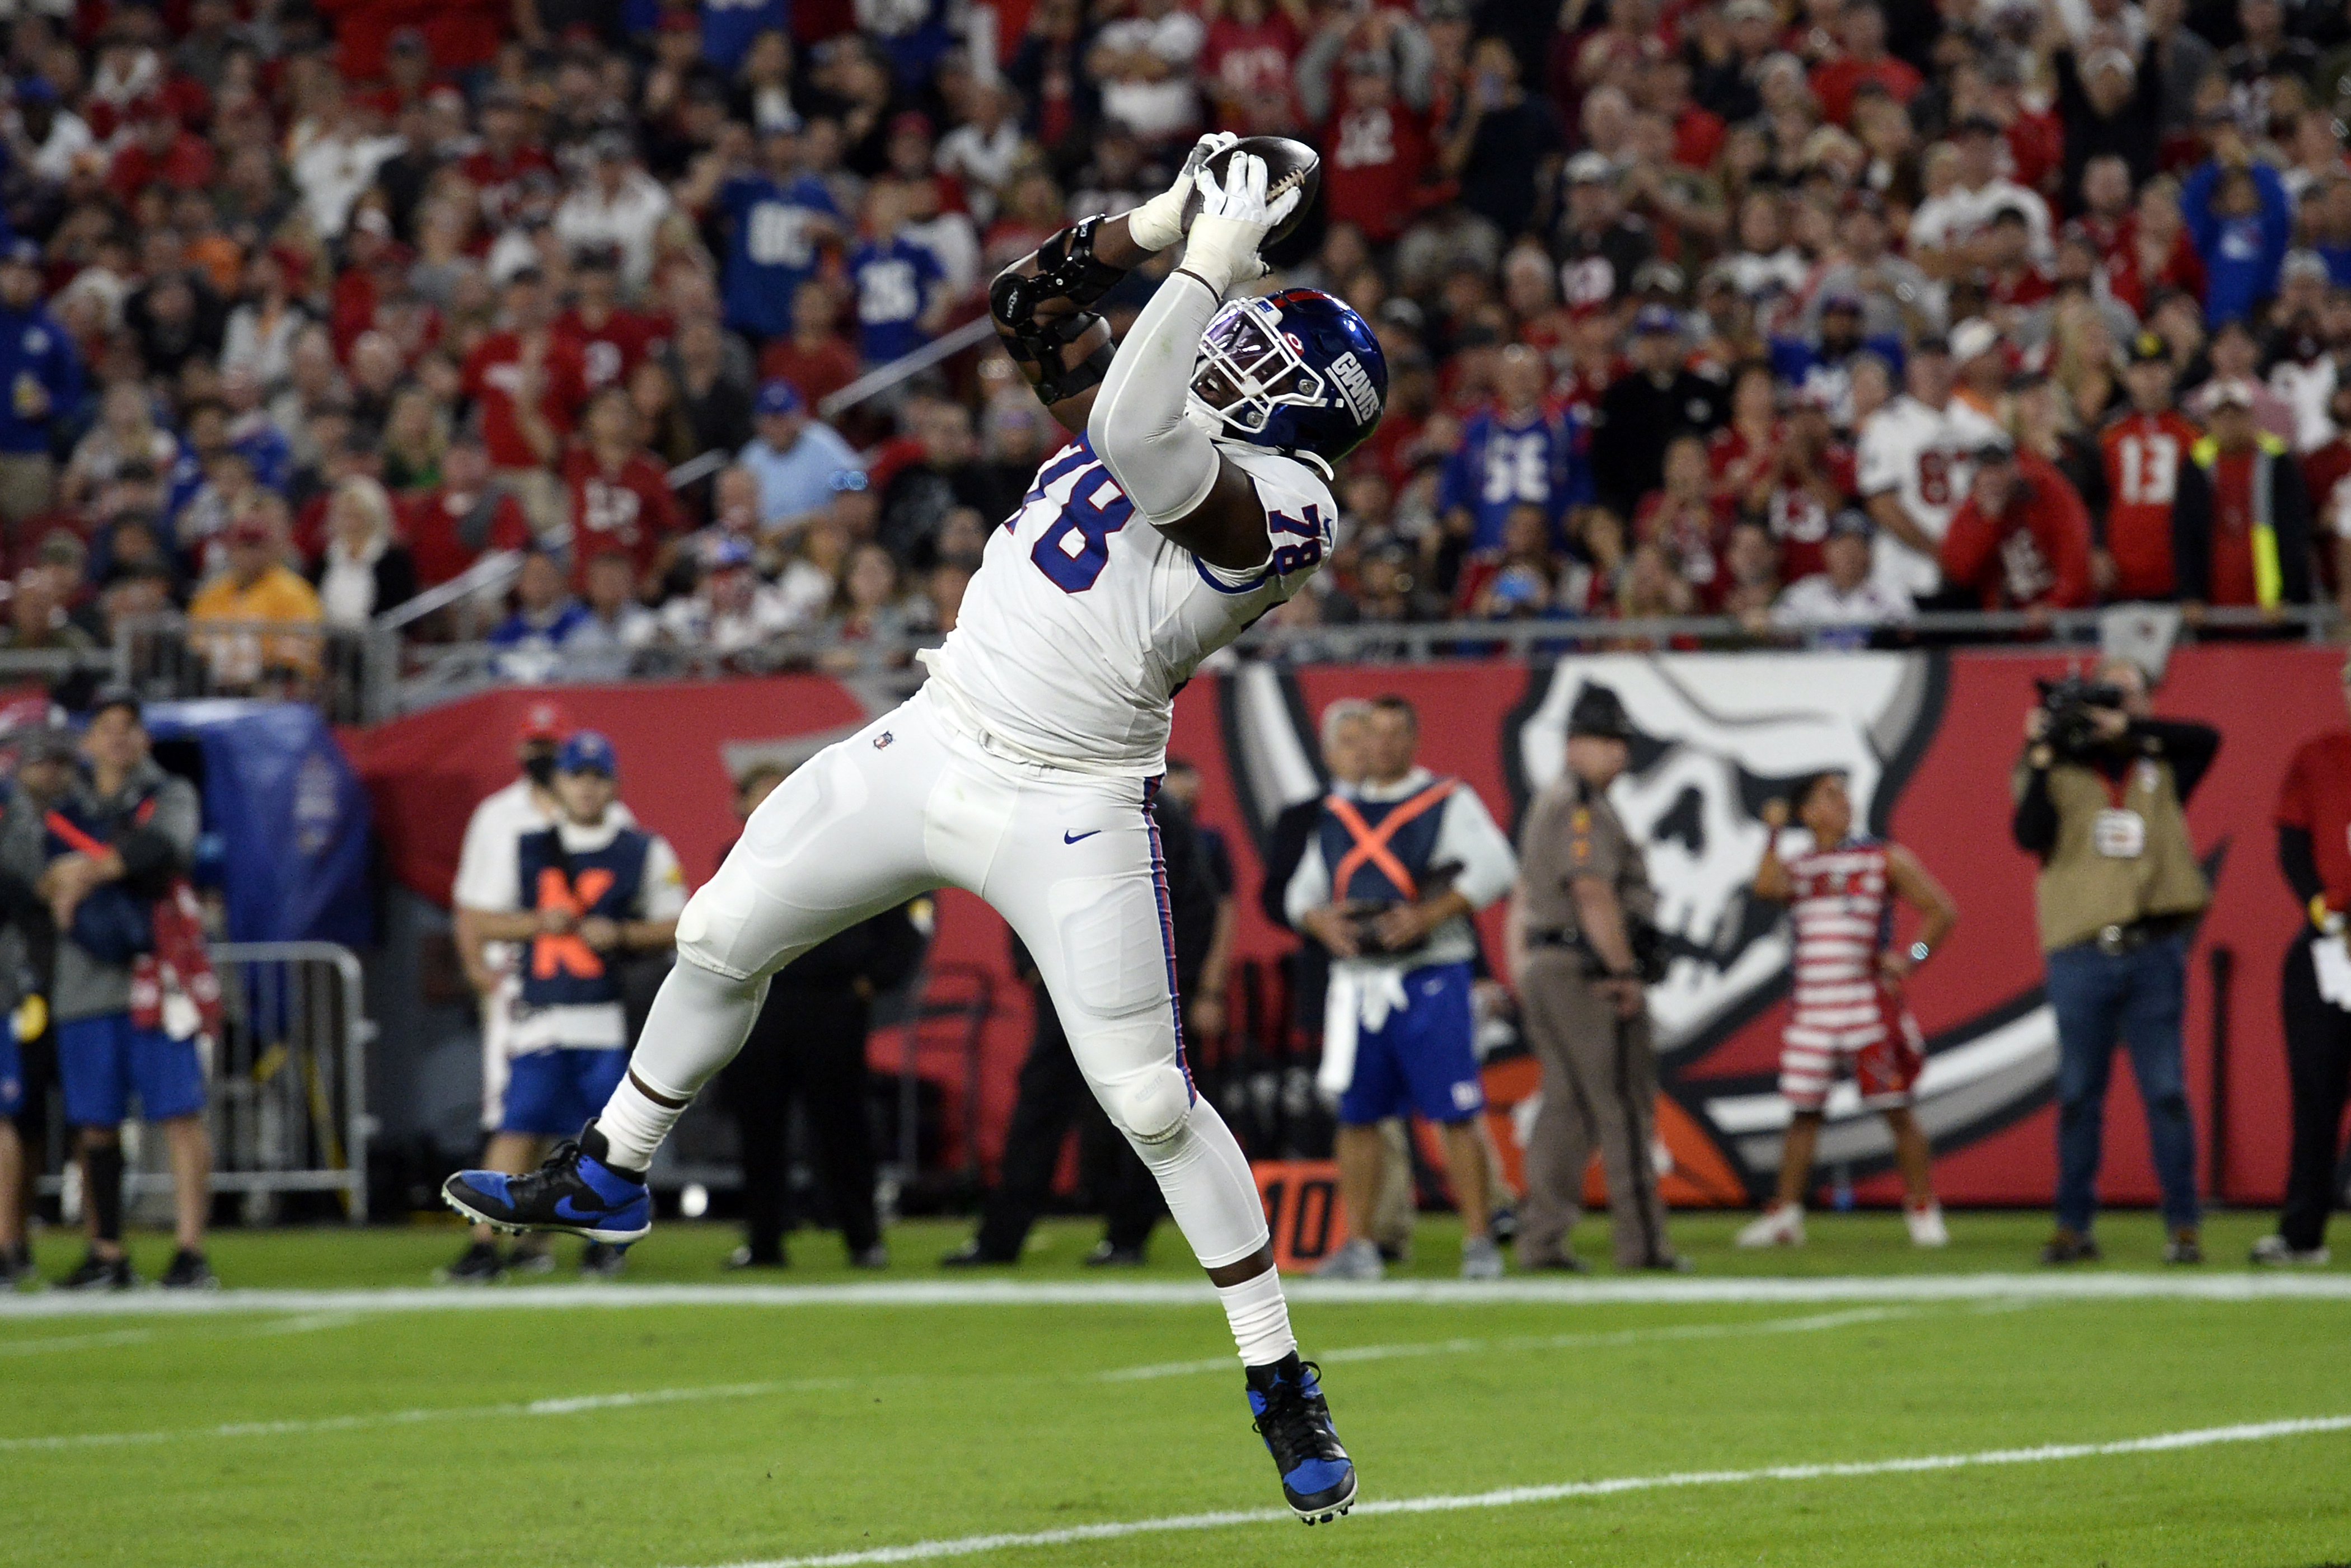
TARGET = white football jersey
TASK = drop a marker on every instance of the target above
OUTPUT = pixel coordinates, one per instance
(1925, 457)
(1083, 619)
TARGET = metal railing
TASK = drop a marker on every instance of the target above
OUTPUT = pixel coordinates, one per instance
(287, 1081)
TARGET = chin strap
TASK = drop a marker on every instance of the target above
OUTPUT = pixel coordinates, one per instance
(1066, 269)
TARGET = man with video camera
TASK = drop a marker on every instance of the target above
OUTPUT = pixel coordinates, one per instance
(2100, 796)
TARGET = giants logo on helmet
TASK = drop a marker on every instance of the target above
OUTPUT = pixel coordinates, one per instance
(1355, 384)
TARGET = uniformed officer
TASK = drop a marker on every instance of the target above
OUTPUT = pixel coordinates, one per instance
(1583, 892)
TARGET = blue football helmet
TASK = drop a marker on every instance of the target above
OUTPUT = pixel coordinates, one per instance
(1297, 371)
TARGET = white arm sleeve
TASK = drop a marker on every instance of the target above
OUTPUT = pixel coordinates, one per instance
(1166, 463)
(1469, 837)
(1309, 886)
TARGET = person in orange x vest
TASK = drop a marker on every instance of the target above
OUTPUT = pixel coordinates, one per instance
(1394, 871)
(588, 890)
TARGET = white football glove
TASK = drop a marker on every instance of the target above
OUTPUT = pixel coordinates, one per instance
(1159, 222)
(1234, 220)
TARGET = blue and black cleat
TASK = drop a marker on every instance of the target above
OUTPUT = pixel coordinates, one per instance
(1317, 1479)
(574, 1191)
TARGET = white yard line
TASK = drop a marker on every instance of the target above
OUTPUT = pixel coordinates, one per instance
(573, 1406)
(1509, 1497)
(1527, 1342)
(2176, 1286)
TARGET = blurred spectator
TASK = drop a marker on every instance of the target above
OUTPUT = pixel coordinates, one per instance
(919, 496)
(1946, 230)
(2145, 450)
(2022, 539)
(1377, 137)
(261, 330)
(254, 599)
(902, 295)
(612, 339)
(603, 644)
(2240, 220)
(364, 570)
(1682, 516)
(800, 463)
(731, 612)
(43, 372)
(125, 434)
(530, 641)
(1146, 63)
(37, 619)
(776, 214)
(453, 525)
(1513, 453)
(1916, 461)
(619, 496)
(1504, 146)
(811, 357)
(2324, 471)
(1840, 605)
(1643, 410)
(618, 206)
(2240, 526)
(869, 621)
(528, 383)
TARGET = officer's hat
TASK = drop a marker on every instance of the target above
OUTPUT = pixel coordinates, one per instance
(1600, 712)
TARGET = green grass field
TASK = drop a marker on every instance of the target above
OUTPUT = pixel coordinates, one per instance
(333, 1423)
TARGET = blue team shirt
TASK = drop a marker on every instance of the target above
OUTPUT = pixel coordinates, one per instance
(773, 249)
(894, 280)
(33, 344)
(1540, 460)
(729, 26)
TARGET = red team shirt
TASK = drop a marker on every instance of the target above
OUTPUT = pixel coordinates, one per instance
(612, 351)
(1797, 517)
(2142, 455)
(431, 523)
(1841, 912)
(493, 370)
(1372, 174)
(2316, 798)
(631, 509)
(499, 181)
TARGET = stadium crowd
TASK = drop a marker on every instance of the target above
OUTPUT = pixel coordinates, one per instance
(1813, 313)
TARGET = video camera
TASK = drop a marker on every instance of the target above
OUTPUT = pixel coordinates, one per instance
(2073, 706)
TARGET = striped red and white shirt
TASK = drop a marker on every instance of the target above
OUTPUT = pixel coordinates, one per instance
(1843, 917)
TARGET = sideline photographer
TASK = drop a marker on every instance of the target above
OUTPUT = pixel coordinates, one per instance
(1394, 871)
(2100, 796)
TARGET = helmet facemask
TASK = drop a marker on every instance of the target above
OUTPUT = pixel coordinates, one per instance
(1248, 368)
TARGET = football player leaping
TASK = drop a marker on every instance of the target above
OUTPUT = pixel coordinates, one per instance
(1195, 500)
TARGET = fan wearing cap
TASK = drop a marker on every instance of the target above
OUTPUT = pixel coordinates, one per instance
(40, 380)
(2144, 450)
(2021, 540)
(1601, 247)
(1644, 408)
(578, 896)
(1842, 604)
(2240, 527)
(801, 461)
(1820, 364)
(730, 611)
(247, 618)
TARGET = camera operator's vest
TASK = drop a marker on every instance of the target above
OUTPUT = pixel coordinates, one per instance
(2086, 885)
(563, 971)
(1378, 850)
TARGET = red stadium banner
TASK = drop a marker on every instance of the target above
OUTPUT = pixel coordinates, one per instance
(1928, 739)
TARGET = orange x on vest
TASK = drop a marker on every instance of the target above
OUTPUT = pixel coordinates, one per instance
(568, 952)
(1372, 842)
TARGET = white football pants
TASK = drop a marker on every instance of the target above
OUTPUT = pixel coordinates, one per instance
(917, 801)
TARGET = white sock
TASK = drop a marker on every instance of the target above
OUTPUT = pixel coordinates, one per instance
(634, 1123)
(1261, 1318)
(699, 1020)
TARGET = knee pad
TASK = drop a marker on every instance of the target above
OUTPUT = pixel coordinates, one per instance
(712, 920)
(1149, 1107)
